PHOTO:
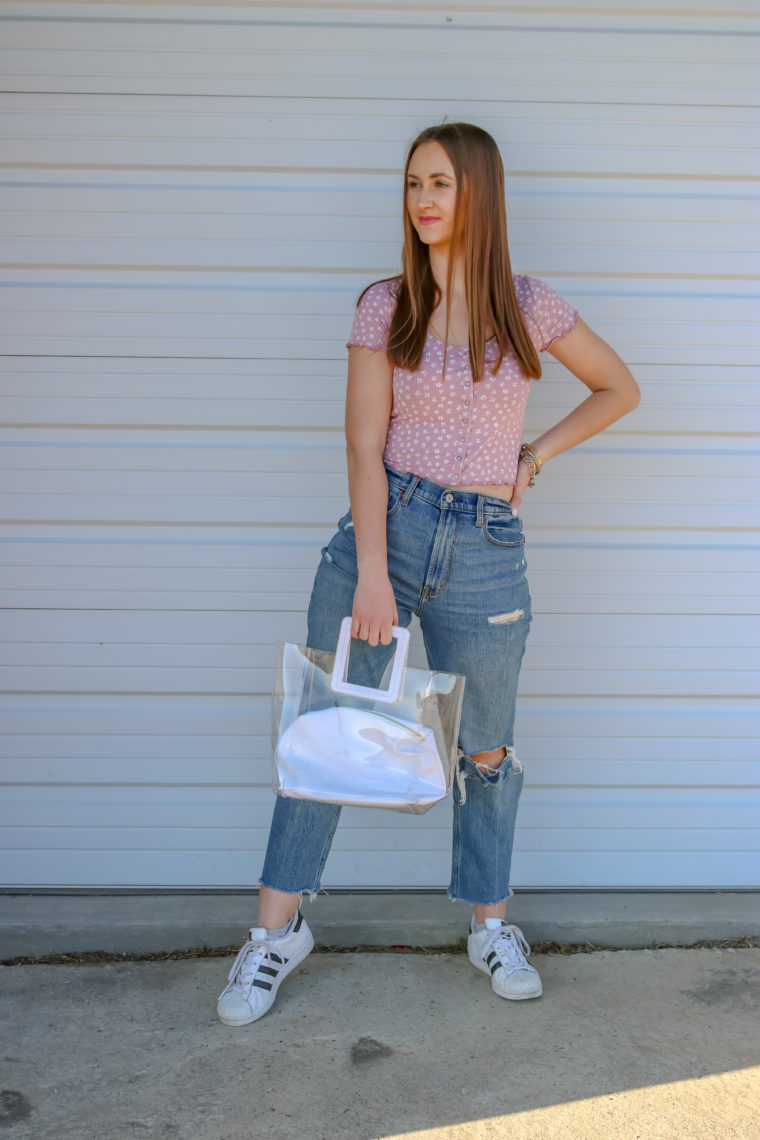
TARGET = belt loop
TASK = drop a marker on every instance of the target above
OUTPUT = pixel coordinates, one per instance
(481, 512)
(410, 490)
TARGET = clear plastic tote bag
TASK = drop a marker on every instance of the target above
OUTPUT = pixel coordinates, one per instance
(357, 742)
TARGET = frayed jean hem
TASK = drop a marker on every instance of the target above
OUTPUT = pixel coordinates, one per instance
(478, 902)
(312, 894)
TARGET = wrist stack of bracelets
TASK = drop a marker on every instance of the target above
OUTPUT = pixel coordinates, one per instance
(532, 461)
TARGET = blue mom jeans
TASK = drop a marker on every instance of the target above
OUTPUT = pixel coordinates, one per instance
(456, 559)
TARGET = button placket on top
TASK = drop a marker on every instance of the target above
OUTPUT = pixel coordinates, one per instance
(463, 440)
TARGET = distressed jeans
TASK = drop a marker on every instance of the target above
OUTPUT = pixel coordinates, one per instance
(455, 559)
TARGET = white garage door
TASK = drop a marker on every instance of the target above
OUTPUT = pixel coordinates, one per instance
(193, 197)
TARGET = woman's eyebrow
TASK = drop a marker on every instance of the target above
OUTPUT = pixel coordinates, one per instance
(439, 174)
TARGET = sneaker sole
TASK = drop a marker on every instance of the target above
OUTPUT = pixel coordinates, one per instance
(480, 965)
(287, 969)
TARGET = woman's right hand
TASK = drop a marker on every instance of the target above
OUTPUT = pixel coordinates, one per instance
(374, 611)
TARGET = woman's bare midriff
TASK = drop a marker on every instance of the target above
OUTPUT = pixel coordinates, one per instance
(500, 490)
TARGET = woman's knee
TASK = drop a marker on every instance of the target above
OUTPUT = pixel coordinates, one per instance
(489, 761)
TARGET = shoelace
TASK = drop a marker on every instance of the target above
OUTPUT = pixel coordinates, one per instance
(509, 943)
(243, 971)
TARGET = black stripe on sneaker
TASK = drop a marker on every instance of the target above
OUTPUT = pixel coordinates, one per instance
(268, 970)
(262, 984)
(494, 968)
(297, 926)
(490, 958)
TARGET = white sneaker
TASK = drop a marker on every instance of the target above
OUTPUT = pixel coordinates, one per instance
(500, 951)
(259, 969)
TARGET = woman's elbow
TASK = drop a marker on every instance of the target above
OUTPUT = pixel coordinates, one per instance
(633, 394)
(360, 450)
(629, 393)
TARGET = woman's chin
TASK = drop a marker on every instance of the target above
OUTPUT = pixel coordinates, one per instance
(432, 241)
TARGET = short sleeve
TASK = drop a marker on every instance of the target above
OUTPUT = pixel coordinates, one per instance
(550, 315)
(372, 320)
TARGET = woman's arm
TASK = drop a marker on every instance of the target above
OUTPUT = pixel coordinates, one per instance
(614, 392)
(369, 399)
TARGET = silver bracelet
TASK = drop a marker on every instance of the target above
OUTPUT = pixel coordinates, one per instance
(532, 461)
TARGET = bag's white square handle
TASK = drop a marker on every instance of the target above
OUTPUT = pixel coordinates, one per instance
(339, 684)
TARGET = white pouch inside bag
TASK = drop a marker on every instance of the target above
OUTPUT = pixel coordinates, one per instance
(353, 743)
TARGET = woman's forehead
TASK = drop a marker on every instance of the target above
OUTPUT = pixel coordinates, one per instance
(429, 159)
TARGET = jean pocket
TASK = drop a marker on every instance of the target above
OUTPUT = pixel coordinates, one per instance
(394, 498)
(503, 529)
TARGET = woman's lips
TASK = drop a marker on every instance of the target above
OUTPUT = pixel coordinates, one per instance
(428, 221)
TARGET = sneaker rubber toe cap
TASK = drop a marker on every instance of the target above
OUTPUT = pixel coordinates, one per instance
(517, 986)
(233, 1009)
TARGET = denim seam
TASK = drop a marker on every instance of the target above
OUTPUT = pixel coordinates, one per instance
(326, 851)
(451, 542)
(456, 845)
(504, 545)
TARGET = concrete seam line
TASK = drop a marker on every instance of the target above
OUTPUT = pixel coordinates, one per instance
(105, 957)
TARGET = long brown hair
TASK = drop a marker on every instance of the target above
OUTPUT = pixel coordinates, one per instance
(480, 239)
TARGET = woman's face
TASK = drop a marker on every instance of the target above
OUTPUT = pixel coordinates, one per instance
(431, 194)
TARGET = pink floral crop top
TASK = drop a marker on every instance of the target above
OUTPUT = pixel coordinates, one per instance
(452, 430)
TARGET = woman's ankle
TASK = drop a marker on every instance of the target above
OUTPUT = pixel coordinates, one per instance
(276, 908)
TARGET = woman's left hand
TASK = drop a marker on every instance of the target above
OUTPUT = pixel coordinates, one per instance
(521, 482)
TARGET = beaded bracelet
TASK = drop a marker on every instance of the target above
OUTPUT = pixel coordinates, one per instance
(532, 461)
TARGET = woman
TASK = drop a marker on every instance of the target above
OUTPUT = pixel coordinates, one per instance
(440, 364)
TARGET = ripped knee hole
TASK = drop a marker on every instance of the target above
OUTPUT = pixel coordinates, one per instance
(489, 762)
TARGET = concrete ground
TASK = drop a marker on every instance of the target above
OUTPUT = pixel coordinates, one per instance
(632, 1044)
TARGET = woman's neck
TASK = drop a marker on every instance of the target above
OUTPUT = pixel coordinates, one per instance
(439, 266)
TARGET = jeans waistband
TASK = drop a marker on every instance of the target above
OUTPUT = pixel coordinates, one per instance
(448, 498)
